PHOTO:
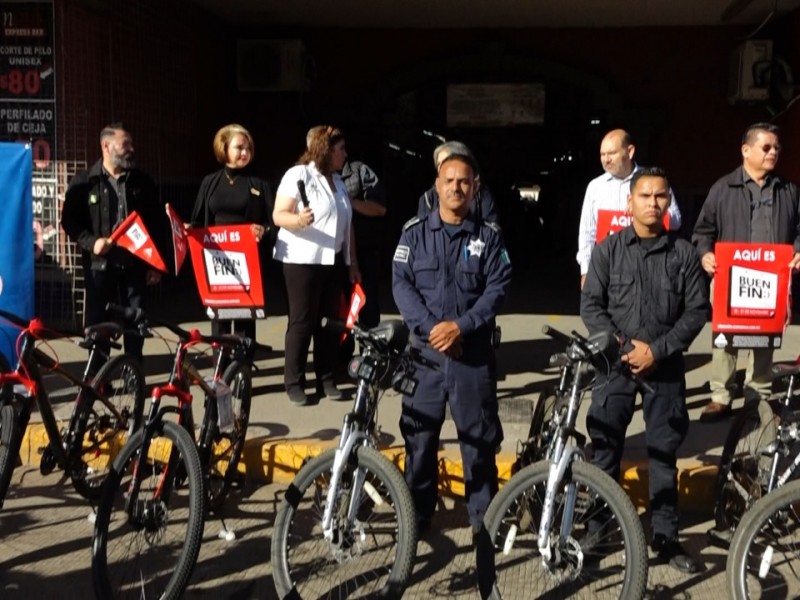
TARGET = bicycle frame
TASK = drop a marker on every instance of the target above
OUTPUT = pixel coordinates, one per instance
(182, 375)
(359, 424)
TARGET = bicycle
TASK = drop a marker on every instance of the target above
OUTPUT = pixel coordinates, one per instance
(568, 516)
(346, 526)
(764, 558)
(755, 454)
(150, 517)
(107, 408)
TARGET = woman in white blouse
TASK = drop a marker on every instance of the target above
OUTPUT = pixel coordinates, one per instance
(315, 245)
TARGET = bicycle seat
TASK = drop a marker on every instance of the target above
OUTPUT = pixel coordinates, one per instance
(393, 333)
(104, 331)
(786, 369)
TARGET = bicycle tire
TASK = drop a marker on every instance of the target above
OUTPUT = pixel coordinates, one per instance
(535, 446)
(763, 561)
(100, 434)
(226, 448)
(10, 440)
(610, 564)
(374, 559)
(753, 428)
(151, 554)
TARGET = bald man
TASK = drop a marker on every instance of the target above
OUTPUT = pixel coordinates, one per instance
(610, 191)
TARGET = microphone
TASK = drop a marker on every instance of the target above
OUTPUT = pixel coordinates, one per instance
(301, 187)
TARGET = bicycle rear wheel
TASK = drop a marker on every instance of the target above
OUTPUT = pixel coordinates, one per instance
(226, 448)
(764, 560)
(540, 432)
(743, 463)
(608, 560)
(150, 550)
(121, 382)
(370, 557)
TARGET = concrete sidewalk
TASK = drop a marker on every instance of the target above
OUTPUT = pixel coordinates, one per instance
(282, 435)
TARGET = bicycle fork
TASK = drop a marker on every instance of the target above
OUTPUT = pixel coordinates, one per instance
(343, 452)
(558, 469)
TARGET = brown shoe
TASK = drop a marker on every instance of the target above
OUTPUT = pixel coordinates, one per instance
(714, 411)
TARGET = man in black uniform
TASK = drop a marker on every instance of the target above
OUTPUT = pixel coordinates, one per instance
(451, 274)
(646, 286)
(96, 202)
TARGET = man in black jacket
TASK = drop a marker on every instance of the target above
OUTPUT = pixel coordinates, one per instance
(96, 202)
(646, 286)
(751, 204)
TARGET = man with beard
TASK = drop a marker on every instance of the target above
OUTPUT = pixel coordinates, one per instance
(96, 202)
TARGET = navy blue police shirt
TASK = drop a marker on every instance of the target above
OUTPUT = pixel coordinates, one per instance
(461, 275)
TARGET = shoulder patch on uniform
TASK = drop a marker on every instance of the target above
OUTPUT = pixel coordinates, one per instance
(401, 253)
(494, 226)
(411, 222)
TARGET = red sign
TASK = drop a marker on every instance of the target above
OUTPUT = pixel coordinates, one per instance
(610, 222)
(132, 235)
(357, 300)
(178, 237)
(751, 294)
(228, 272)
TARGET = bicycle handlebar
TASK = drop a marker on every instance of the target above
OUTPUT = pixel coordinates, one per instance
(585, 346)
(137, 317)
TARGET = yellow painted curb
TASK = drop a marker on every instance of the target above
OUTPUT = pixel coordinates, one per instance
(278, 460)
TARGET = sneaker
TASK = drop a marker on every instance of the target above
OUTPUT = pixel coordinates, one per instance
(329, 390)
(670, 551)
(297, 396)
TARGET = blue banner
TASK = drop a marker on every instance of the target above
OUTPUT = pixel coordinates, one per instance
(16, 241)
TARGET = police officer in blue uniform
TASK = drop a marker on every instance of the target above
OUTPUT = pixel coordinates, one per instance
(450, 276)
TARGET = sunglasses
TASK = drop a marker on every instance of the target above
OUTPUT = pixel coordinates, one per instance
(767, 147)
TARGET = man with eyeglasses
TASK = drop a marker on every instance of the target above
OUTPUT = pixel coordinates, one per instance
(609, 191)
(750, 204)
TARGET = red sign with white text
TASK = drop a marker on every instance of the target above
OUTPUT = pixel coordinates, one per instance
(228, 271)
(751, 294)
(610, 222)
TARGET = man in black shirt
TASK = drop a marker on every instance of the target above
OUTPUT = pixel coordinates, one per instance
(96, 202)
(646, 286)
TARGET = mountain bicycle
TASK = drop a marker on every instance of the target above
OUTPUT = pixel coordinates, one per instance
(150, 517)
(560, 524)
(346, 526)
(764, 558)
(107, 409)
(759, 454)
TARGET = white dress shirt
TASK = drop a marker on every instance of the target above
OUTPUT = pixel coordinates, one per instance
(318, 243)
(607, 192)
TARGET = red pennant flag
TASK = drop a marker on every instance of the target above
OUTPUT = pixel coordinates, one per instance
(179, 242)
(132, 235)
(357, 301)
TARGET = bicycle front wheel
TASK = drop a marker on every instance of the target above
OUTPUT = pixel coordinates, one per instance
(121, 383)
(149, 548)
(10, 440)
(743, 467)
(764, 560)
(370, 556)
(603, 555)
(226, 447)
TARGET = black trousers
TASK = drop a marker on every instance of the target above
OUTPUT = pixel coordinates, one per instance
(666, 424)
(313, 292)
(120, 285)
